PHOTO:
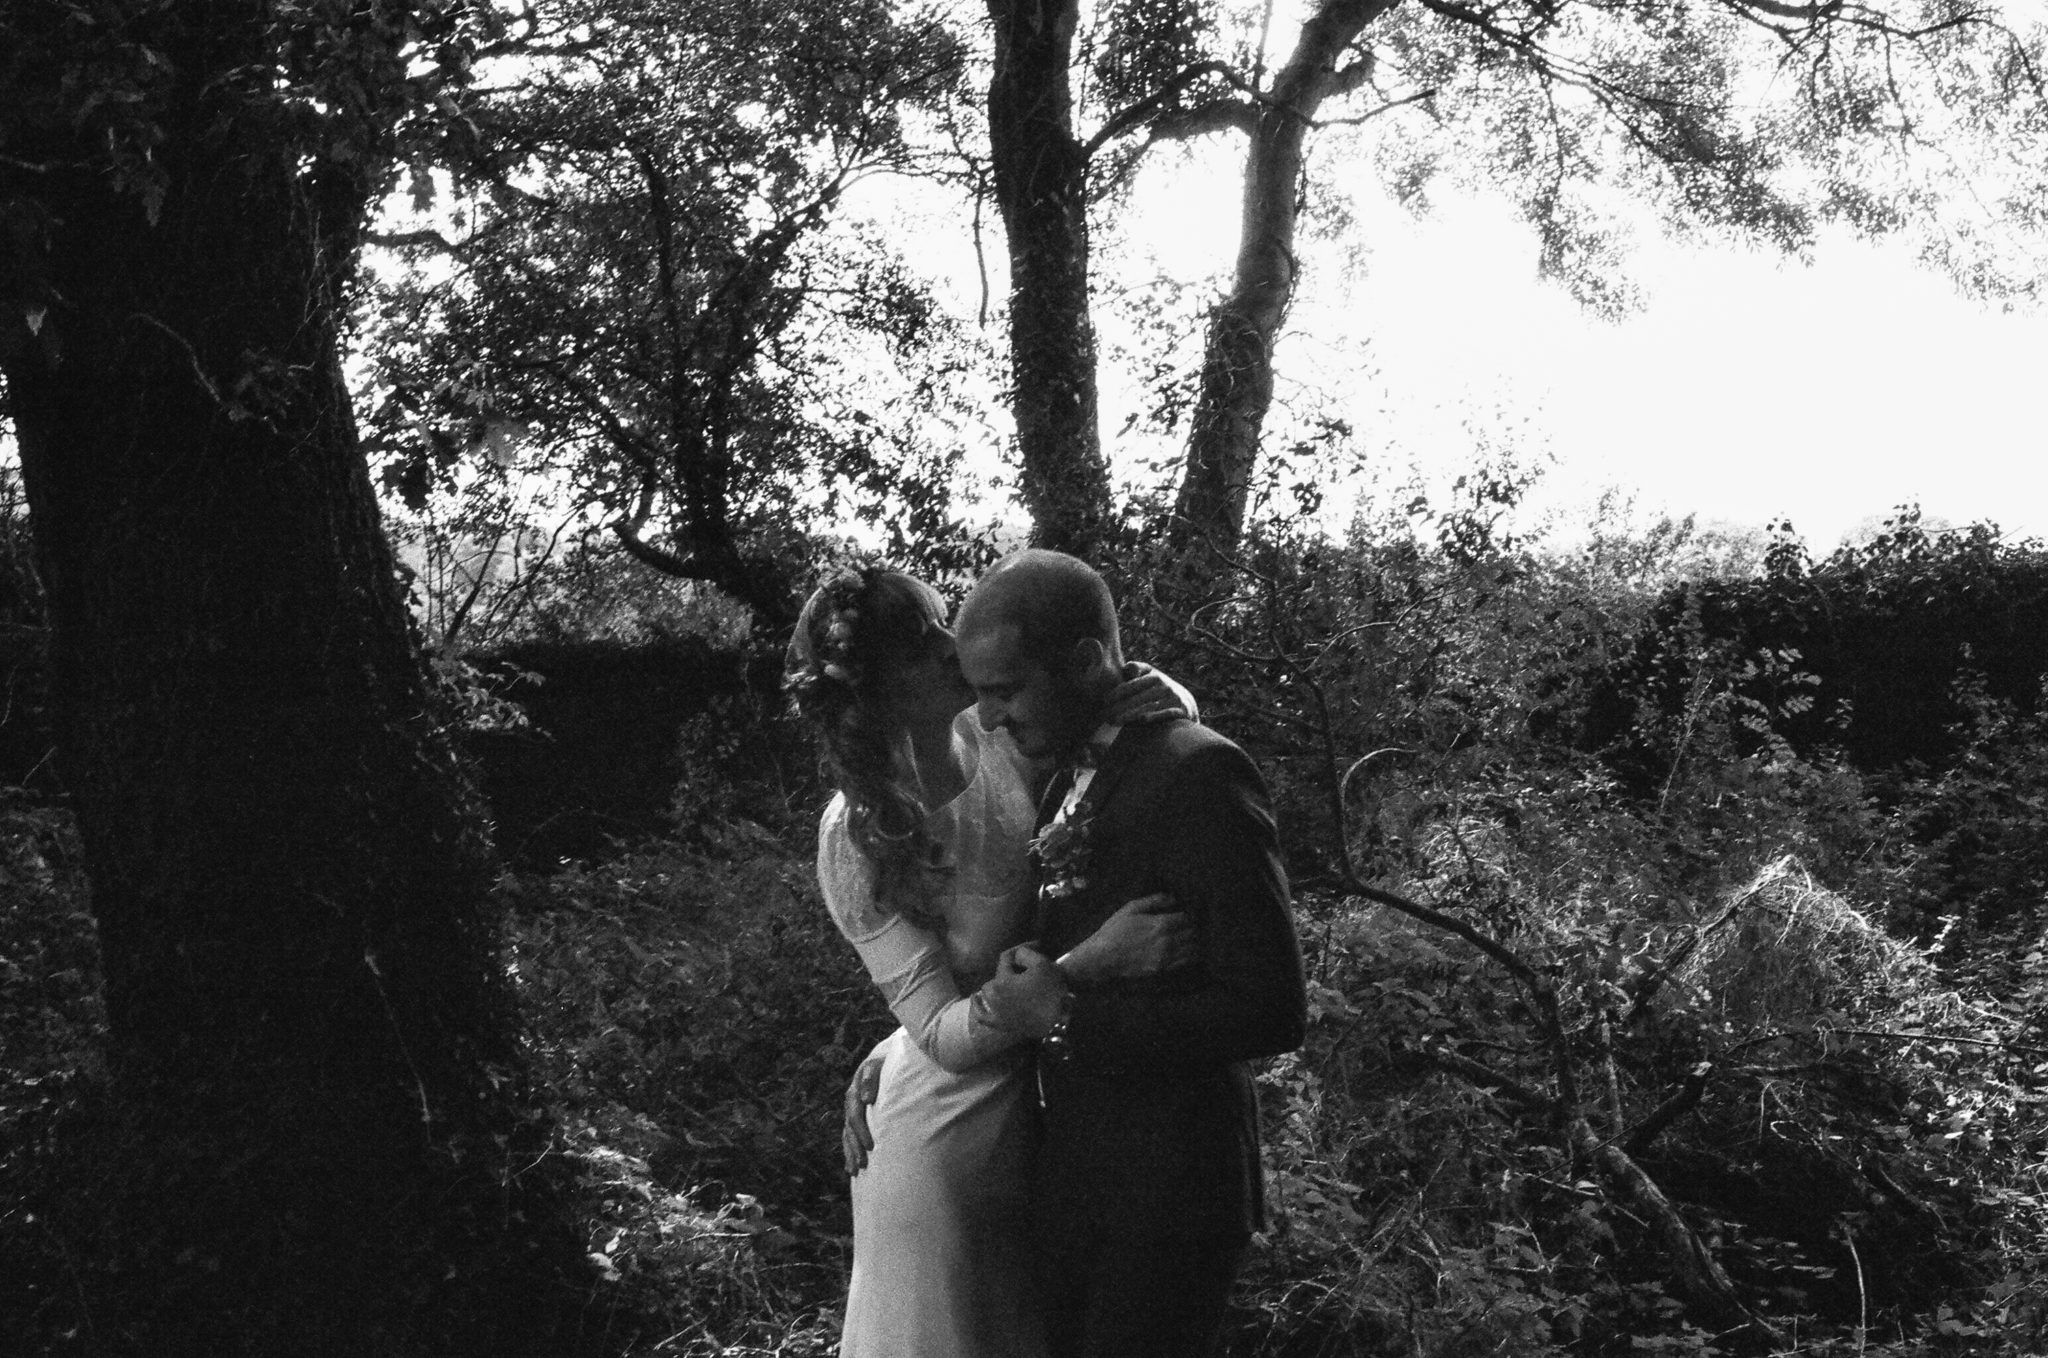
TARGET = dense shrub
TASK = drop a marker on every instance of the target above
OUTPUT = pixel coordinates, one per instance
(1699, 942)
(614, 739)
(27, 737)
(1979, 825)
(1430, 721)
(51, 1025)
(696, 1016)
(1884, 630)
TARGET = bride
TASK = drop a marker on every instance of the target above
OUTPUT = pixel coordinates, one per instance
(922, 857)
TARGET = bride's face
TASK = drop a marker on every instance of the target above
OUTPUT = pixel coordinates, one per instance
(927, 688)
(935, 685)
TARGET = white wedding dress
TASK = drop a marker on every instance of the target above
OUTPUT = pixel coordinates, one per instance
(941, 1262)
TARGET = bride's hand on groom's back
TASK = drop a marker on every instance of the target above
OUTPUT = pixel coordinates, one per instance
(1149, 694)
(1146, 936)
(855, 1140)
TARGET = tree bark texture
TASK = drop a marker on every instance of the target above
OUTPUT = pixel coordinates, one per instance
(1237, 362)
(312, 1041)
(1041, 174)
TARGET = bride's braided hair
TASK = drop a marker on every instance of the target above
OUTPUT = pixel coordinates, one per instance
(860, 626)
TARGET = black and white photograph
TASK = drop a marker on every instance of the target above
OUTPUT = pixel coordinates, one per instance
(1025, 679)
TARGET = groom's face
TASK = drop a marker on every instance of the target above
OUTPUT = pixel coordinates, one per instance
(1043, 710)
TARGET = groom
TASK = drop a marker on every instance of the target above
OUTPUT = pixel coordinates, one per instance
(1147, 1187)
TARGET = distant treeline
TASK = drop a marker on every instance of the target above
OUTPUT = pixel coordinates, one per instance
(1873, 654)
(1897, 634)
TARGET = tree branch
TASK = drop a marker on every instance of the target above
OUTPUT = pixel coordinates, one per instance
(1682, 1101)
(1486, 1077)
(656, 180)
(1219, 115)
(1808, 14)
(1499, 952)
(1651, 981)
(627, 529)
(1125, 119)
(1346, 79)
(403, 240)
(1359, 120)
(1693, 1266)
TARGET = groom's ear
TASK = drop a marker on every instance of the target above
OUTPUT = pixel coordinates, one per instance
(1088, 657)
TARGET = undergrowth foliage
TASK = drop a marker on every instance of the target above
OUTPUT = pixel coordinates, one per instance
(1681, 1088)
(696, 1016)
(1683, 1033)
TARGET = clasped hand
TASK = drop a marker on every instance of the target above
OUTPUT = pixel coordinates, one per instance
(1026, 995)
(1146, 936)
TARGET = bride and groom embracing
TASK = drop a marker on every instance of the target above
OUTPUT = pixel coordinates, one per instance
(1061, 1154)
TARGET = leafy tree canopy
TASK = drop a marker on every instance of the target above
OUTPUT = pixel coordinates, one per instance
(647, 287)
(637, 289)
(1773, 120)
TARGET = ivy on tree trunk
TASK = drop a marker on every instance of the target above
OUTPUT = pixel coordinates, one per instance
(316, 1134)
(1041, 173)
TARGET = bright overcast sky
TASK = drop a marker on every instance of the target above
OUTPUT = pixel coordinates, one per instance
(1748, 387)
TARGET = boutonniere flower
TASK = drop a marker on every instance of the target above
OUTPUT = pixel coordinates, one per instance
(1060, 851)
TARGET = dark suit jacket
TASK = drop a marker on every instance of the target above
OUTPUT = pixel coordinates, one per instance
(1150, 1118)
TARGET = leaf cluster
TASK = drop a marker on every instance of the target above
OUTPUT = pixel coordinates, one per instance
(645, 297)
(103, 95)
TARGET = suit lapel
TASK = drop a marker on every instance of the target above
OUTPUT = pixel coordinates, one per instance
(1080, 913)
(1050, 799)
(1110, 771)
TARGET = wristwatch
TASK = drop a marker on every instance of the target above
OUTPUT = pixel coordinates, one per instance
(1053, 1046)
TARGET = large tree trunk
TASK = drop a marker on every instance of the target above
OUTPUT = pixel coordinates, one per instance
(1041, 173)
(1237, 361)
(313, 1141)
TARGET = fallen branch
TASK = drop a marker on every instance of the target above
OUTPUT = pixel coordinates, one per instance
(1486, 1077)
(1698, 1275)
(1682, 1101)
(1701, 1281)
(1653, 978)
(1997, 1043)
(1499, 952)
(1700, 1278)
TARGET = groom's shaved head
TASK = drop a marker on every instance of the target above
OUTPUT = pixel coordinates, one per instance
(1053, 601)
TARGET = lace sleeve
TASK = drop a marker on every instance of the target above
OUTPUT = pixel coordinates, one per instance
(907, 963)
